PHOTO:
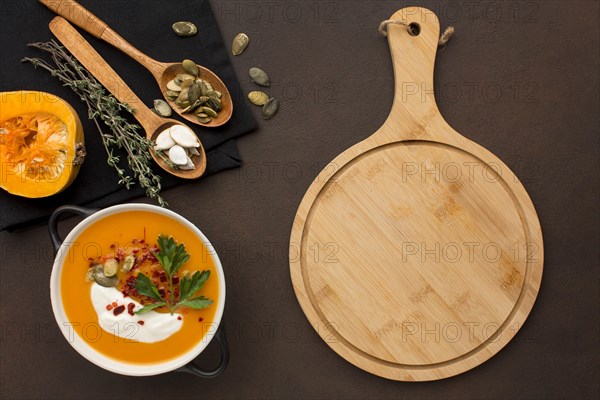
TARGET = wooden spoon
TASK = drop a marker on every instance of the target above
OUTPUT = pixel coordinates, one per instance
(152, 123)
(162, 72)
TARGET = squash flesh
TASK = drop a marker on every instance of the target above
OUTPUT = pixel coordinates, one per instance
(41, 142)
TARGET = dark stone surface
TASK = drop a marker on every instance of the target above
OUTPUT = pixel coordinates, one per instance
(523, 85)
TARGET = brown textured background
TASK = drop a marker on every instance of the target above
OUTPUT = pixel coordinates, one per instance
(520, 78)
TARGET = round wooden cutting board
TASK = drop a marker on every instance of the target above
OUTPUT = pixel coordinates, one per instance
(416, 254)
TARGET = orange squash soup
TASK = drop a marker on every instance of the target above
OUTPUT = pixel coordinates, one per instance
(101, 284)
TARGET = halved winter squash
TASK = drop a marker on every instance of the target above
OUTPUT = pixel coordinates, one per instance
(41, 143)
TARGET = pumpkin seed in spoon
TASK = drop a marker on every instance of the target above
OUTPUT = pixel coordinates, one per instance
(190, 67)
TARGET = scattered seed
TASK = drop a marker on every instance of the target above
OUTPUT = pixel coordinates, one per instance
(270, 108)
(162, 108)
(240, 43)
(259, 76)
(258, 98)
(184, 29)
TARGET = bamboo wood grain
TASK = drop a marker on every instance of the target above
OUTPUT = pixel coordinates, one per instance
(416, 254)
(99, 68)
(74, 12)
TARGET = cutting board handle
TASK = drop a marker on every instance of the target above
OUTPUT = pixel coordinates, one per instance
(413, 42)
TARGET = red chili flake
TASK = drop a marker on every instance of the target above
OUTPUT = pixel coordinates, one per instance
(130, 308)
(179, 317)
(200, 319)
(162, 292)
(135, 250)
(109, 307)
(114, 304)
(141, 322)
(112, 246)
(119, 310)
(163, 277)
(142, 241)
(175, 280)
(134, 241)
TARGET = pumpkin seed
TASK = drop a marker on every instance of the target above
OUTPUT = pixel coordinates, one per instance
(182, 103)
(203, 88)
(183, 95)
(203, 99)
(219, 94)
(240, 43)
(128, 263)
(187, 83)
(184, 136)
(103, 280)
(162, 108)
(179, 79)
(164, 141)
(214, 103)
(190, 165)
(211, 113)
(194, 92)
(258, 98)
(259, 76)
(111, 266)
(202, 115)
(172, 85)
(208, 85)
(193, 151)
(205, 120)
(190, 67)
(89, 275)
(191, 107)
(270, 108)
(178, 155)
(184, 29)
(171, 95)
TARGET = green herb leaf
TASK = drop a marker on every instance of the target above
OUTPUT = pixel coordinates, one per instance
(198, 280)
(149, 307)
(145, 287)
(197, 303)
(171, 256)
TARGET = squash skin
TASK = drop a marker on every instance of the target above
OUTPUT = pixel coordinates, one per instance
(13, 104)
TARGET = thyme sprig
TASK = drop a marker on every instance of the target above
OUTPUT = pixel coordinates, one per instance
(104, 107)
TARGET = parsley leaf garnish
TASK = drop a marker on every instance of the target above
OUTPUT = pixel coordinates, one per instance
(171, 257)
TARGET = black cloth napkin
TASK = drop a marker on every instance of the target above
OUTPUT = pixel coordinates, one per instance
(146, 25)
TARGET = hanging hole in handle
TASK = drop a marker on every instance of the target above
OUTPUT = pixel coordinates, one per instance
(414, 29)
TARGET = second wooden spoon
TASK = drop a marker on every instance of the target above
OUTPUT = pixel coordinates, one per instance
(163, 72)
(99, 68)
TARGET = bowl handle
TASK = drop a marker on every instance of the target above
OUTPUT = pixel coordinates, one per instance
(203, 373)
(53, 222)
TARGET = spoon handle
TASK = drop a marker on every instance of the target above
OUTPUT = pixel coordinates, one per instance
(100, 69)
(78, 15)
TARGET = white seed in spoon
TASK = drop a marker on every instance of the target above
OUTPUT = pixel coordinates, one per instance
(184, 136)
(164, 141)
(189, 166)
(193, 151)
(178, 155)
